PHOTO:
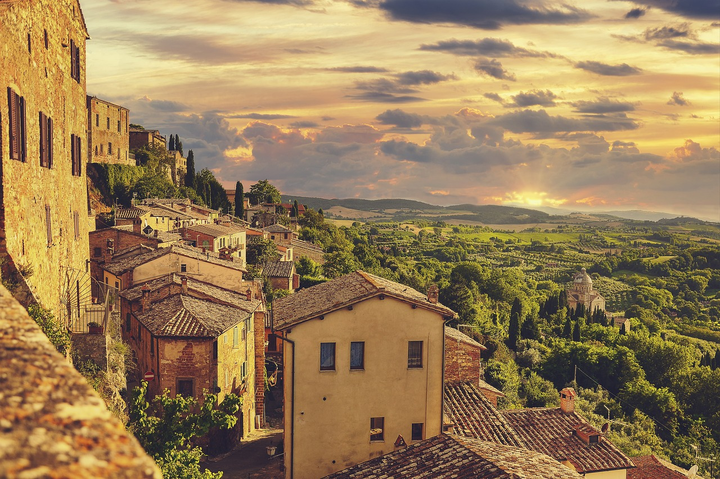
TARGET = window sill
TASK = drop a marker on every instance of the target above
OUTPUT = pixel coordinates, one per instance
(357, 370)
(328, 370)
(377, 441)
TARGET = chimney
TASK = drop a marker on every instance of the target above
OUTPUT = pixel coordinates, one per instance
(567, 400)
(433, 294)
(145, 300)
(184, 284)
(249, 294)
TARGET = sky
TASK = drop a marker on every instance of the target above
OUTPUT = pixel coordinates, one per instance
(591, 105)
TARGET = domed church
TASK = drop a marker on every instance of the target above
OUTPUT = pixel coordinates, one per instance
(582, 292)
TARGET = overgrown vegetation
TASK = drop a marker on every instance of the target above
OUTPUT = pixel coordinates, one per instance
(56, 332)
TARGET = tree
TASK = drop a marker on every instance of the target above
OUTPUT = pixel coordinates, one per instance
(296, 209)
(167, 427)
(567, 329)
(576, 331)
(261, 251)
(529, 329)
(513, 331)
(338, 263)
(239, 196)
(190, 175)
(177, 144)
(171, 143)
(264, 192)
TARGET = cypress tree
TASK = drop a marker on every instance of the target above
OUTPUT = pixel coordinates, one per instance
(176, 143)
(530, 328)
(239, 205)
(576, 332)
(190, 175)
(296, 209)
(516, 308)
(514, 331)
(171, 144)
(567, 330)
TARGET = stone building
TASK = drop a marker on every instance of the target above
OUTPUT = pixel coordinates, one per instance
(140, 137)
(108, 133)
(43, 140)
(582, 292)
(178, 167)
(195, 336)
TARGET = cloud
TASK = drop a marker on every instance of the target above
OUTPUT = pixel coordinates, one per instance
(608, 70)
(400, 119)
(602, 105)
(494, 97)
(423, 77)
(665, 32)
(534, 97)
(327, 118)
(677, 99)
(529, 121)
(349, 134)
(692, 151)
(296, 3)
(483, 14)
(165, 105)
(260, 116)
(358, 69)
(304, 124)
(493, 68)
(489, 47)
(635, 13)
(698, 9)
(194, 48)
(697, 48)
(380, 97)
(624, 147)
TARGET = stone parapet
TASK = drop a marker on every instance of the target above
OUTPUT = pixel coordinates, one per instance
(53, 423)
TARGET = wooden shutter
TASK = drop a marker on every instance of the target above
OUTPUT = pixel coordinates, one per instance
(78, 159)
(77, 63)
(72, 58)
(49, 143)
(43, 139)
(48, 224)
(23, 133)
(14, 140)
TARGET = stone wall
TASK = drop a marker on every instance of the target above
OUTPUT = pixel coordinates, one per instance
(100, 239)
(108, 134)
(44, 209)
(53, 423)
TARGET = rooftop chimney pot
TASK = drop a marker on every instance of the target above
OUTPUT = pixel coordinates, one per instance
(567, 400)
(433, 294)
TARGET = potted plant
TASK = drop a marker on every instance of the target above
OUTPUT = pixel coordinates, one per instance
(95, 328)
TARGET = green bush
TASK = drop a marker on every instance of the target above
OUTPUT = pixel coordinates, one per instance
(58, 334)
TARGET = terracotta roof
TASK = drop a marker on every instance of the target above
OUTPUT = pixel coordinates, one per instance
(128, 264)
(185, 316)
(323, 298)
(473, 415)
(277, 228)
(447, 456)
(166, 201)
(552, 432)
(650, 467)
(458, 335)
(215, 230)
(484, 385)
(278, 269)
(138, 249)
(222, 295)
(296, 243)
(130, 213)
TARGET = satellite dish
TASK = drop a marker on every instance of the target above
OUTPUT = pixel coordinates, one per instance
(693, 470)
(605, 428)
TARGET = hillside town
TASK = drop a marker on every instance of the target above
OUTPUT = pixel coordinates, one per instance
(208, 309)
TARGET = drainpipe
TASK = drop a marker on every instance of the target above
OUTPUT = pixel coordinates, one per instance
(292, 407)
(442, 396)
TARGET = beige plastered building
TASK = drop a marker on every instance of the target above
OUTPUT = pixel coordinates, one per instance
(347, 410)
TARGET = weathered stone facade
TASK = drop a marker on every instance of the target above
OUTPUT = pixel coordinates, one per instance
(140, 138)
(106, 242)
(462, 357)
(43, 200)
(108, 133)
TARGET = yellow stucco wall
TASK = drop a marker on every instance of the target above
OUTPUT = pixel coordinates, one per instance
(333, 408)
(617, 474)
(210, 273)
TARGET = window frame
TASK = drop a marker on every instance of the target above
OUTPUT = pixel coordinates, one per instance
(17, 131)
(328, 347)
(46, 140)
(415, 360)
(191, 381)
(375, 424)
(361, 365)
(415, 434)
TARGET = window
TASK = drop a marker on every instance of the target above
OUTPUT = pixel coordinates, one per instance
(186, 387)
(74, 61)
(75, 151)
(29, 44)
(128, 322)
(97, 120)
(108, 123)
(109, 148)
(235, 337)
(327, 356)
(377, 429)
(16, 109)
(47, 42)
(215, 350)
(183, 268)
(46, 140)
(206, 244)
(97, 251)
(417, 431)
(118, 126)
(243, 370)
(76, 218)
(415, 354)
(48, 225)
(357, 355)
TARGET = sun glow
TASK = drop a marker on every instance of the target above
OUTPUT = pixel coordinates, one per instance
(533, 198)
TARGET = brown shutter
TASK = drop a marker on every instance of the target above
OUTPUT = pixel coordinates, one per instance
(48, 224)
(72, 152)
(72, 58)
(23, 134)
(14, 141)
(43, 138)
(78, 150)
(77, 64)
(49, 163)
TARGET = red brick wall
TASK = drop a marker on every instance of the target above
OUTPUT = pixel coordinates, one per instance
(121, 239)
(462, 361)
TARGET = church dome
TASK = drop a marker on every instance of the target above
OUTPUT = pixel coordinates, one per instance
(582, 278)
